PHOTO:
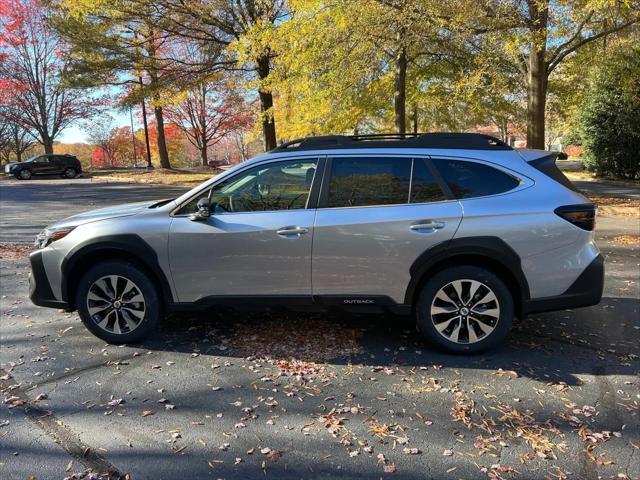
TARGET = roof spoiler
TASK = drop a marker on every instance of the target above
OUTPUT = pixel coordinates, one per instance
(545, 162)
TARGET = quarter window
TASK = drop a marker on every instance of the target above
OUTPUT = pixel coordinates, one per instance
(471, 179)
(424, 188)
(359, 182)
(267, 187)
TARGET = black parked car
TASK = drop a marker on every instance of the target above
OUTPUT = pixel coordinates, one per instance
(49, 164)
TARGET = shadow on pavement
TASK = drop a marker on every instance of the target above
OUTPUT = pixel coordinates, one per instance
(545, 347)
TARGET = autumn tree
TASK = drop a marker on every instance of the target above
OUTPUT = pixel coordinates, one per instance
(206, 113)
(367, 65)
(32, 62)
(15, 140)
(540, 35)
(244, 24)
(120, 44)
(113, 145)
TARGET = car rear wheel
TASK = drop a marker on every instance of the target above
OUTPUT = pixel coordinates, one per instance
(24, 174)
(118, 302)
(465, 309)
(70, 172)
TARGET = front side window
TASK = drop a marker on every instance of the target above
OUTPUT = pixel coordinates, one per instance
(359, 182)
(267, 187)
(471, 179)
(41, 160)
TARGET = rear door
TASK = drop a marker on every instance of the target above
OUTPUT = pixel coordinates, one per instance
(58, 164)
(376, 215)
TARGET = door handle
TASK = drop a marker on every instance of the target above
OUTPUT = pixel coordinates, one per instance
(289, 231)
(427, 225)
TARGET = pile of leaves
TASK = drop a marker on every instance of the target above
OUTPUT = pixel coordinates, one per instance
(14, 251)
(616, 206)
(301, 338)
(630, 240)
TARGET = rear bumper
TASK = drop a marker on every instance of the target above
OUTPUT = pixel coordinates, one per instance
(40, 291)
(584, 292)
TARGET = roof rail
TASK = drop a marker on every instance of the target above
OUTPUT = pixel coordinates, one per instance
(445, 140)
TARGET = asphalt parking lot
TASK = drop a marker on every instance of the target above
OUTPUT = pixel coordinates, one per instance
(217, 395)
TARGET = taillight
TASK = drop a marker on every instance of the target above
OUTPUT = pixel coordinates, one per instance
(582, 216)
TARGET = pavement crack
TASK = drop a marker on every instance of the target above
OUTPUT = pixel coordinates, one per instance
(77, 371)
(59, 432)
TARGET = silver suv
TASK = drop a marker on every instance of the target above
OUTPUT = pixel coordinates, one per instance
(460, 230)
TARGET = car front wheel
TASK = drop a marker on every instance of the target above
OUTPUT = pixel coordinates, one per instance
(465, 309)
(118, 302)
(24, 174)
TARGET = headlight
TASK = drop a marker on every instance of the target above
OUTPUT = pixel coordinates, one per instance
(49, 235)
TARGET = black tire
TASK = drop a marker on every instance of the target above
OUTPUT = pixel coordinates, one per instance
(24, 174)
(497, 323)
(151, 306)
(70, 173)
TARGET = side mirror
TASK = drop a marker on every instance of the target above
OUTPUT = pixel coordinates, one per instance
(204, 211)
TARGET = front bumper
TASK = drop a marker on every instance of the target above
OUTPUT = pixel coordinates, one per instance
(584, 292)
(40, 291)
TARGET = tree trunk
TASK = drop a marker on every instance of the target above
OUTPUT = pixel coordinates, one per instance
(415, 119)
(203, 154)
(538, 74)
(162, 142)
(266, 105)
(536, 100)
(146, 128)
(400, 92)
(47, 143)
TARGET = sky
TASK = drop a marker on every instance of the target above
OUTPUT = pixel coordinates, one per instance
(77, 133)
(74, 134)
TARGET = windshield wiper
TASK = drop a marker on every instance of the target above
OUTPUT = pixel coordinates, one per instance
(160, 203)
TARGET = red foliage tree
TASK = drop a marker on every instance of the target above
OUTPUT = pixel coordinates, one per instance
(209, 113)
(31, 63)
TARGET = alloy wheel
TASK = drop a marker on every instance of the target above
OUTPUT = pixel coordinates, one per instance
(116, 304)
(465, 311)
(25, 174)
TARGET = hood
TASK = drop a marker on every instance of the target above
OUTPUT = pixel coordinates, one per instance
(13, 164)
(104, 213)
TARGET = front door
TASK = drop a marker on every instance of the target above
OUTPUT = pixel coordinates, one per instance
(376, 216)
(43, 165)
(257, 241)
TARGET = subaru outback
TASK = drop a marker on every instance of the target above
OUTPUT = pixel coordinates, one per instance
(459, 230)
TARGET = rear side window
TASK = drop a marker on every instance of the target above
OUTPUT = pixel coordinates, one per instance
(470, 179)
(358, 182)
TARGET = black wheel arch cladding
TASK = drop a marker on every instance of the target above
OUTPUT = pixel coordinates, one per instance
(130, 246)
(493, 249)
